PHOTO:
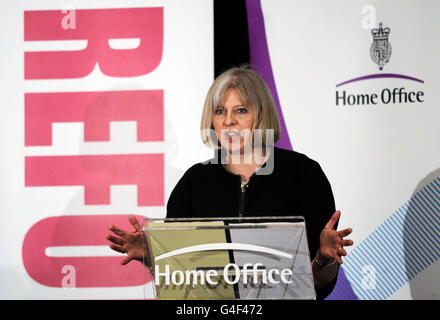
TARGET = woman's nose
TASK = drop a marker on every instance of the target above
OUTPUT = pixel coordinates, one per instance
(229, 118)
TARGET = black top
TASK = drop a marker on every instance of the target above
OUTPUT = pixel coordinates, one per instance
(297, 186)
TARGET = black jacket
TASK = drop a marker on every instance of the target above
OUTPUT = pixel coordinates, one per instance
(296, 187)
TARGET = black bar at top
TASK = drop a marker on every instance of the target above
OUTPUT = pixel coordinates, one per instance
(231, 36)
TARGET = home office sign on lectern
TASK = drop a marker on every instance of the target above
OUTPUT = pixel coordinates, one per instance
(250, 258)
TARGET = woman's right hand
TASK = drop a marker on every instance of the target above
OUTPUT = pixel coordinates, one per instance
(131, 243)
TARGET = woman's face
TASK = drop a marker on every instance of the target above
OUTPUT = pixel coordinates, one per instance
(233, 122)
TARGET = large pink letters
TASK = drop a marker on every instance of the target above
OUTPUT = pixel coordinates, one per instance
(95, 110)
(97, 27)
(80, 230)
(97, 173)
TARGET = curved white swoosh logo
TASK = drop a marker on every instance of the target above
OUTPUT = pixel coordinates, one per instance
(224, 246)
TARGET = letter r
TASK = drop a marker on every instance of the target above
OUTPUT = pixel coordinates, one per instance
(97, 26)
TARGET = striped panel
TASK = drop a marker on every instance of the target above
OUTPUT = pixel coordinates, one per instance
(404, 245)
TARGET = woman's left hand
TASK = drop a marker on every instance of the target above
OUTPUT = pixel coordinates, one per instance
(332, 242)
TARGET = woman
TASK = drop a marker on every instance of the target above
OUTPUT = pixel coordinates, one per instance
(250, 177)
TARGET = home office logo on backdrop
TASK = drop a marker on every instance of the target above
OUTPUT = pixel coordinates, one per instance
(380, 54)
(380, 50)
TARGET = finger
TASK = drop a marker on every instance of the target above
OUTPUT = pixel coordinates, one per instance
(335, 217)
(126, 260)
(342, 252)
(338, 259)
(345, 232)
(117, 230)
(115, 240)
(118, 248)
(134, 222)
(346, 243)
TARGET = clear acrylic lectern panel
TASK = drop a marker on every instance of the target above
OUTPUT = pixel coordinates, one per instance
(228, 258)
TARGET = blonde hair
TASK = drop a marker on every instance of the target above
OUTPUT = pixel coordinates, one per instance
(253, 91)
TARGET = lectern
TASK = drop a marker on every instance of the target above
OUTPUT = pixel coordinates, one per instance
(229, 258)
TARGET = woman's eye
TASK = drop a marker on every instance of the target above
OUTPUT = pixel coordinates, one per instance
(218, 111)
(242, 110)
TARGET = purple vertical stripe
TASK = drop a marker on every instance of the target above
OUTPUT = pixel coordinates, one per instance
(260, 61)
(342, 290)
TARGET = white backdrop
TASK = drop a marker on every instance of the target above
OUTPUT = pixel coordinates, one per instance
(379, 158)
(375, 156)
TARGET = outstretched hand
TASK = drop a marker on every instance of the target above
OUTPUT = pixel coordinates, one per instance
(131, 243)
(332, 242)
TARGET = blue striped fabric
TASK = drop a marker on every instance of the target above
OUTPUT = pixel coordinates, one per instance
(404, 245)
